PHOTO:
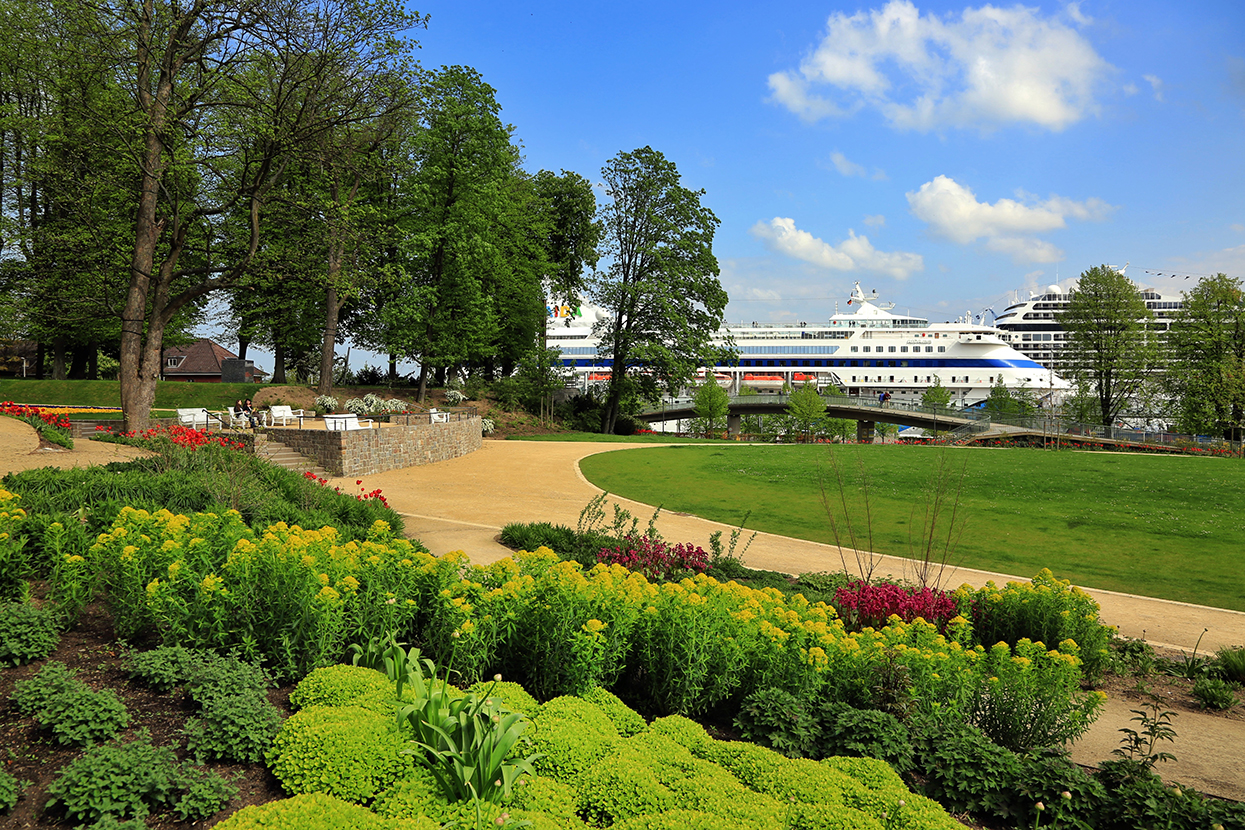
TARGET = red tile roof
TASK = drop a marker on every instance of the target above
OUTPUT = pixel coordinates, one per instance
(202, 358)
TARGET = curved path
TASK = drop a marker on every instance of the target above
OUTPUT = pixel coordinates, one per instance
(462, 504)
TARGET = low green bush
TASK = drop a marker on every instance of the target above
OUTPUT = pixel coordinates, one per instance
(15, 553)
(572, 736)
(1045, 610)
(74, 712)
(27, 633)
(133, 779)
(318, 811)
(568, 544)
(10, 790)
(626, 720)
(340, 685)
(238, 727)
(866, 733)
(1213, 693)
(1230, 664)
(346, 751)
(513, 696)
(779, 720)
(1072, 797)
(964, 771)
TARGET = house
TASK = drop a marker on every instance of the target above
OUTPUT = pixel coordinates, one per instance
(205, 361)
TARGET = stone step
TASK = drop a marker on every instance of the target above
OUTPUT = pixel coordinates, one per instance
(274, 452)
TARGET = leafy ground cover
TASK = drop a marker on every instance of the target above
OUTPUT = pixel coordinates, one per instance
(1172, 522)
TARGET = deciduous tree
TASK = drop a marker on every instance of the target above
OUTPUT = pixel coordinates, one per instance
(712, 405)
(1206, 345)
(660, 287)
(1109, 343)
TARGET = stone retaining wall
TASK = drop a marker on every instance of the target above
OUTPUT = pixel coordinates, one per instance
(360, 452)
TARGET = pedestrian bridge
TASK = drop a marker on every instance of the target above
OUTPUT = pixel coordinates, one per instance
(866, 412)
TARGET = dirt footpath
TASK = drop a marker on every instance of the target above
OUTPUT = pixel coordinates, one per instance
(462, 504)
(20, 450)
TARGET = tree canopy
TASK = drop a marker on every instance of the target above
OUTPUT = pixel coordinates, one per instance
(711, 404)
(1206, 346)
(1109, 343)
(660, 286)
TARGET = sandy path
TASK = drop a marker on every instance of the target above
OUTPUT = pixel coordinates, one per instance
(19, 450)
(462, 505)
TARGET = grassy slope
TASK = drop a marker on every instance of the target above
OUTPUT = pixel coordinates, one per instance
(169, 395)
(1159, 526)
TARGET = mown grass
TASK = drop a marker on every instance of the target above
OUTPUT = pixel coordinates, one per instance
(1170, 527)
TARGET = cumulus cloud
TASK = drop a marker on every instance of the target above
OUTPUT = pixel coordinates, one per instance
(845, 166)
(1074, 12)
(1008, 226)
(875, 221)
(985, 68)
(855, 253)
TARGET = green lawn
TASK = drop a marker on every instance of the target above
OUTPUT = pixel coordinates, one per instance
(598, 438)
(169, 395)
(1163, 526)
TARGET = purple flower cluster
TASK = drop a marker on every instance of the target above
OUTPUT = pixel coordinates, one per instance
(655, 558)
(863, 605)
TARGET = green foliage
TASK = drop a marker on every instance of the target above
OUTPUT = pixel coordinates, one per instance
(777, 719)
(1139, 746)
(318, 811)
(1206, 345)
(75, 713)
(578, 546)
(1072, 797)
(15, 557)
(1022, 709)
(571, 736)
(626, 720)
(1045, 610)
(936, 396)
(711, 404)
(1230, 664)
(1214, 693)
(513, 696)
(1106, 339)
(866, 733)
(964, 771)
(27, 633)
(130, 780)
(340, 685)
(807, 410)
(468, 740)
(238, 727)
(346, 751)
(10, 791)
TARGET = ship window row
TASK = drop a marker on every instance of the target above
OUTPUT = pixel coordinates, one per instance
(1163, 305)
(788, 349)
(902, 349)
(915, 379)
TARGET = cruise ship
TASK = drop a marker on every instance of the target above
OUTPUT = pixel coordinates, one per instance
(866, 351)
(1032, 327)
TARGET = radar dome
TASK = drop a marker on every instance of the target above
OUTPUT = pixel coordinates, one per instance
(1053, 289)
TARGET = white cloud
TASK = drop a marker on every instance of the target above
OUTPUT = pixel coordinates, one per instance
(1229, 261)
(875, 221)
(988, 67)
(1130, 89)
(1008, 226)
(855, 253)
(1074, 12)
(846, 167)
(1238, 227)
(1156, 83)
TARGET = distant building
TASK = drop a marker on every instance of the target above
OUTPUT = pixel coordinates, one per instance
(205, 361)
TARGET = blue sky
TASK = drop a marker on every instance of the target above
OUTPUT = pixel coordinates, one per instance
(945, 154)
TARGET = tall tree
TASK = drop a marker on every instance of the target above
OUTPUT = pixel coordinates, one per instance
(215, 96)
(711, 404)
(661, 285)
(806, 409)
(574, 231)
(1109, 343)
(1206, 345)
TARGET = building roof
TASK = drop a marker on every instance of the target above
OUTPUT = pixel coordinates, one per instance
(203, 357)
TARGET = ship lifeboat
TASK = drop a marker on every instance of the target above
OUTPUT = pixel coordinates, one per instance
(767, 384)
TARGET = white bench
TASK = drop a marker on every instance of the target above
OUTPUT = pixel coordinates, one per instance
(285, 414)
(343, 423)
(436, 417)
(194, 418)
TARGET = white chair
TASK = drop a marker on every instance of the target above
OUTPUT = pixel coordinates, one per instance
(345, 423)
(286, 414)
(237, 418)
(193, 418)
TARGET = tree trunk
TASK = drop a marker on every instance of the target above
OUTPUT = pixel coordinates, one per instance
(243, 342)
(393, 367)
(92, 361)
(78, 364)
(332, 307)
(423, 383)
(40, 353)
(278, 362)
(58, 358)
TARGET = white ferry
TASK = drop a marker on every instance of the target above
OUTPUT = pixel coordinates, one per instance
(868, 351)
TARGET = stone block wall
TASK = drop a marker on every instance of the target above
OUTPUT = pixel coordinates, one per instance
(362, 452)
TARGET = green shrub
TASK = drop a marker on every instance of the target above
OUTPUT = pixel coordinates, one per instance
(10, 789)
(1071, 796)
(1230, 664)
(75, 713)
(964, 771)
(418, 794)
(340, 685)
(1046, 610)
(573, 736)
(553, 799)
(237, 727)
(81, 715)
(620, 785)
(15, 553)
(130, 780)
(346, 751)
(163, 668)
(1020, 709)
(684, 731)
(864, 732)
(27, 633)
(1137, 797)
(779, 720)
(625, 719)
(679, 820)
(513, 696)
(318, 811)
(1213, 693)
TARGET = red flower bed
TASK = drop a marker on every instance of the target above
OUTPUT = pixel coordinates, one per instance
(862, 605)
(23, 411)
(655, 558)
(362, 495)
(182, 436)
